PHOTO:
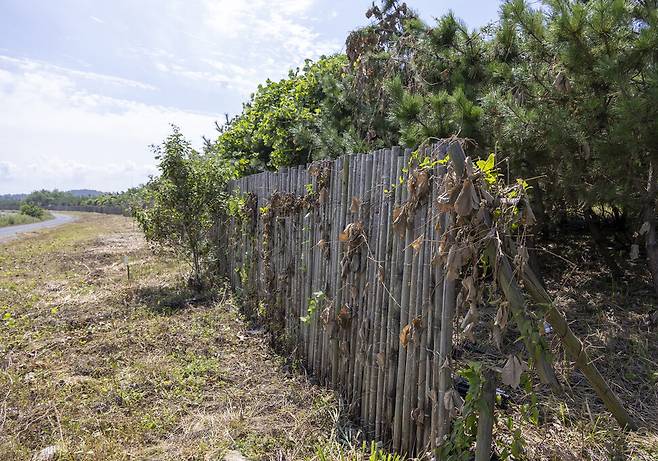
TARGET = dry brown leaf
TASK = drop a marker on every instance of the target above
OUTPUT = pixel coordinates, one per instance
(400, 220)
(453, 402)
(418, 415)
(512, 371)
(404, 335)
(356, 205)
(416, 244)
(502, 316)
(454, 262)
(467, 200)
(422, 184)
(323, 196)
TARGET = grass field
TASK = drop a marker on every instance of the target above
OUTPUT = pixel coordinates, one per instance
(10, 218)
(103, 368)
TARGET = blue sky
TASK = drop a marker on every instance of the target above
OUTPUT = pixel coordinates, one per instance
(87, 86)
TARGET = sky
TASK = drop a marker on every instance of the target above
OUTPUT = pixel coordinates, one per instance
(86, 86)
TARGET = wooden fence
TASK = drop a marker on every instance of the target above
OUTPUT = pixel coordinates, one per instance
(343, 261)
(348, 284)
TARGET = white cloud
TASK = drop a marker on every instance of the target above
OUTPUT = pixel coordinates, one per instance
(239, 44)
(96, 19)
(270, 25)
(56, 134)
(26, 65)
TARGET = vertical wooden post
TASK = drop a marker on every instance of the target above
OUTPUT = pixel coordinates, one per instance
(485, 416)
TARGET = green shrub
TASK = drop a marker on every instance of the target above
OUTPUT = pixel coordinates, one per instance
(30, 209)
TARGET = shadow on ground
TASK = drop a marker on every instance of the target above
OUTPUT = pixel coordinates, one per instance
(167, 300)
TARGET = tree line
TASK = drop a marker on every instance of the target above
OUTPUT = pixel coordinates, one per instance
(564, 92)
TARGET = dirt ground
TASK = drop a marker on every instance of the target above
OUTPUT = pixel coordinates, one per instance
(105, 368)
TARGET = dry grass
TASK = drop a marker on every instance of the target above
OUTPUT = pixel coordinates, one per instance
(108, 369)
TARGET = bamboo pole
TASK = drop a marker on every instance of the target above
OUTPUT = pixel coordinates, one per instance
(398, 435)
(411, 364)
(383, 277)
(372, 211)
(485, 417)
(393, 319)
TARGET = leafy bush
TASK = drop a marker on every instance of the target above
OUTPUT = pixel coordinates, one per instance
(30, 209)
(182, 204)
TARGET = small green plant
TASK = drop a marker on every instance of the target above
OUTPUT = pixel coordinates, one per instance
(8, 320)
(488, 168)
(313, 303)
(464, 429)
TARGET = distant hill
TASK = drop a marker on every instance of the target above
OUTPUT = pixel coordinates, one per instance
(13, 197)
(85, 192)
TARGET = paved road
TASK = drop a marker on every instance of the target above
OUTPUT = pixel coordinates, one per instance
(9, 232)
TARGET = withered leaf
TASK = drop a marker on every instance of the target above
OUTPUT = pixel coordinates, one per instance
(467, 200)
(356, 205)
(418, 415)
(453, 263)
(453, 402)
(400, 220)
(502, 316)
(416, 244)
(512, 371)
(323, 196)
(404, 335)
